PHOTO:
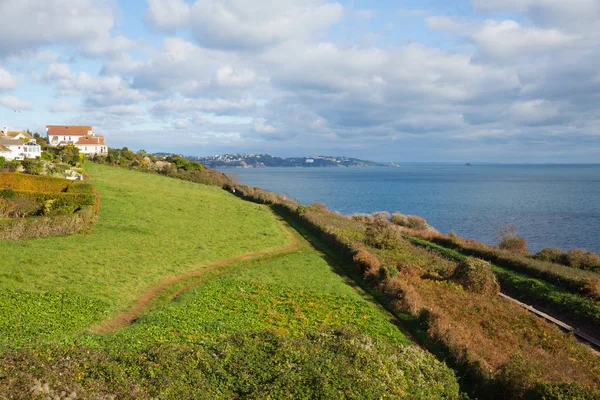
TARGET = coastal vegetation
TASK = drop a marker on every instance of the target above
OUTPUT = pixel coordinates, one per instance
(232, 304)
(499, 349)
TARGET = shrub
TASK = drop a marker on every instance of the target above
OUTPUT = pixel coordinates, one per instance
(318, 207)
(508, 240)
(367, 262)
(364, 218)
(33, 183)
(33, 167)
(582, 259)
(550, 254)
(8, 194)
(591, 288)
(417, 223)
(382, 235)
(25, 228)
(2, 162)
(399, 219)
(409, 221)
(381, 215)
(476, 276)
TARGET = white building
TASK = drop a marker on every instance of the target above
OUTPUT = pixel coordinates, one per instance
(18, 145)
(82, 137)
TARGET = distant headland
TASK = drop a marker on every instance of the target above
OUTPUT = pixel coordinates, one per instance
(266, 160)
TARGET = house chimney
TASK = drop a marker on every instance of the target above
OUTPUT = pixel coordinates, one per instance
(4, 131)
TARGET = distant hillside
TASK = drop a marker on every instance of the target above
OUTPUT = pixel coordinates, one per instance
(266, 160)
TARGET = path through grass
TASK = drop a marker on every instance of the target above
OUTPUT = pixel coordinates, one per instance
(151, 229)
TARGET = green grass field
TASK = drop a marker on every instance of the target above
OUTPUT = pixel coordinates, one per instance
(150, 229)
(285, 321)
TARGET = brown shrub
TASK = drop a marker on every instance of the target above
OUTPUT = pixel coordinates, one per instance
(409, 221)
(508, 240)
(582, 259)
(381, 215)
(405, 297)
(318, 207)
(417, 223)
(367, 262)
(363, 218)
(399, 219)
(550, 254)
(382, 235)
(591, 288)
(476, 276)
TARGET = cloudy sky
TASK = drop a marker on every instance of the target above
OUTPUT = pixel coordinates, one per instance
(388, 80)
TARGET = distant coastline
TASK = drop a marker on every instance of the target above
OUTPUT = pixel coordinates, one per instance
(268, 161)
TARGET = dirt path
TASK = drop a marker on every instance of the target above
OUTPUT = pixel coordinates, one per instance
(124, 319)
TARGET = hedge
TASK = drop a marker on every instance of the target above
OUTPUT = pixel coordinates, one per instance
(33, 183)
(26, 228)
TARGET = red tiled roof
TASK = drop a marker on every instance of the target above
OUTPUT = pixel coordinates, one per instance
(62, 130)
(91, 140)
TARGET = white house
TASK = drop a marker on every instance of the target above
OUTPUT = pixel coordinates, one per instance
(92, 145)
(18, 145)
(82, 137)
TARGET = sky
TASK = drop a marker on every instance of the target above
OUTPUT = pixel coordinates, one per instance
(513, 81)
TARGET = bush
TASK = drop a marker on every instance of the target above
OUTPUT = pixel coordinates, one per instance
(25, 228)
(382, 215)
(2, 162)
(382, 235)
(367, 262)
(550, 254)
(32, 167)
(476, 276)
(33, 183)
(582, 259)
(410, 221)
(508, 240)
(417, 223)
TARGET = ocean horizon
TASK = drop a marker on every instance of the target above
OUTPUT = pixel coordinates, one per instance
(551, 205)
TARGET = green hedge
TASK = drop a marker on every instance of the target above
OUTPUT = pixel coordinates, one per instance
(34, 227)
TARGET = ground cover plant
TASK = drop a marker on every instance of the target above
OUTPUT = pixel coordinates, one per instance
(499, 349)
(288, 323)
(150, 228)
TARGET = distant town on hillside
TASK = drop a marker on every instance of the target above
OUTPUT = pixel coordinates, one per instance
(266, 160)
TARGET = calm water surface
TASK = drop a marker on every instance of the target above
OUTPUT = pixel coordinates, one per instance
(550, 205)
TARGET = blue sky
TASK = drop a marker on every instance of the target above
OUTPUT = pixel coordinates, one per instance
(449, 81)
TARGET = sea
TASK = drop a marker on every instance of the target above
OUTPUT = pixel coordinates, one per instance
(549, 205)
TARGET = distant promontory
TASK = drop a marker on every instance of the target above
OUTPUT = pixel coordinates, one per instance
(266, 160)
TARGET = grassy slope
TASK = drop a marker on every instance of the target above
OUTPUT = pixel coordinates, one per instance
(286, 293)
(151, 228)
(146, 240)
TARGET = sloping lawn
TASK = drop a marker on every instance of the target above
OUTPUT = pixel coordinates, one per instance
(151, 228)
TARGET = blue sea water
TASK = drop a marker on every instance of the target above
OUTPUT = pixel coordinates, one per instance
(550, 205)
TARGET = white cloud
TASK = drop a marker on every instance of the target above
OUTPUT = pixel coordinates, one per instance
(261, 126)
(96, 92)
(15, 103)
(168, 15)
(250, 24)
(547, 12)
(107, 45)
(28, 24)
(505, 40)
(214, 106)
(7, 80)
(534, 112)
(60, 106)
(227, 76)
